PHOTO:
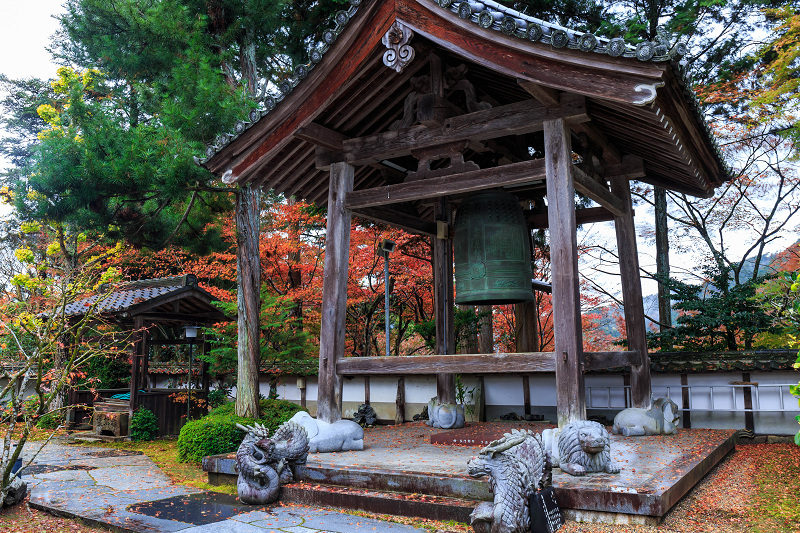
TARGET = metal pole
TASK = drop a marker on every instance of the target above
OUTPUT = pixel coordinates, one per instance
(189, 384)
(386, 298)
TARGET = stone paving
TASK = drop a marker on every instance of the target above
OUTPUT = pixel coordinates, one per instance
(128, 492)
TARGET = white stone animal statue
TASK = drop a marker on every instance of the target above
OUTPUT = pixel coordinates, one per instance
(445, 415)
(324, 437)
(580, 448)
(516, 465)
(661, 419)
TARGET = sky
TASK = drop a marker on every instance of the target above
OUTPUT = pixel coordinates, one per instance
(25, 30)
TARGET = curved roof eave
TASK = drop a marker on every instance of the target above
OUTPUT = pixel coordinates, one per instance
(574, 62)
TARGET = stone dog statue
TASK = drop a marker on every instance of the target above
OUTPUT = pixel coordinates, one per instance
(579, 448)
(661, 419)
(445, 415)
(517, 465)
(324, 437)
(265, 463)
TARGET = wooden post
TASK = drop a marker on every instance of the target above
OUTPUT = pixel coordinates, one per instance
(526, 394)
(480, 401)
(443, 302)
(334, 293)
(145, 377)
(366, 390)
(564, 266)
(400, 402)
(686, 401)
(248, 280)
(138, 349)
(632, 294)
(486, 339)
(747, 391)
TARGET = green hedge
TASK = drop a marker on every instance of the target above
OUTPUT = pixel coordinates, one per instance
(217, 433)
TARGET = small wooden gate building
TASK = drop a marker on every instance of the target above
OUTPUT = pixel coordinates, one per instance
(412, 104)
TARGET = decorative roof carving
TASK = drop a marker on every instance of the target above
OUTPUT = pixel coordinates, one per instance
(399, 53)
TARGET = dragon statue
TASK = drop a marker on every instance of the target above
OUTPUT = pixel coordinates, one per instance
(517, 466)
(265, 463)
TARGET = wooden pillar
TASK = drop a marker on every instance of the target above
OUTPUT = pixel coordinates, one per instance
(144, 380)
(747, 391)
(334, 293)
(564, 266)
(526, 327)
(248, 299)
(443, 302)
(632, 295)
(486, 339)
(136, 360)
(400, 402)
(686, 401)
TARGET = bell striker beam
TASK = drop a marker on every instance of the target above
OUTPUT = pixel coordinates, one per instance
(444, 299)
(334, 293)
(564, 266)
(632, 294)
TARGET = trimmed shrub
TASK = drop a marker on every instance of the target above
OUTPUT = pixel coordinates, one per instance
(217, 433)
(144, 425)
(217, 397)
(50, 420)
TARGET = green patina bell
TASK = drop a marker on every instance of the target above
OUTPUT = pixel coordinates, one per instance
(492, 251)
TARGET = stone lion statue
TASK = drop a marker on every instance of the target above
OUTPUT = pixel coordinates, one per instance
(581, 447)
(661, 419)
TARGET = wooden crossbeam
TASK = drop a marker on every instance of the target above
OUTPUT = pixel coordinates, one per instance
(545, 95)
(496, 363)
(476, 180)
(398, 219)
(582, 216)
(321, 136)
(594, 190)
(631, 168)
(502, 363)
(511, 119)
(604, 360)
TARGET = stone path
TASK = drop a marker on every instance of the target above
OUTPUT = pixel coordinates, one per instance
(128, 492)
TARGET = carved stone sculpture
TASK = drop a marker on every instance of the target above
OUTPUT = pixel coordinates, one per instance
(365, 416)
(265, 463)
(580, 447)
(445, 415)
(661, 419)
(324, 437)
(517, 465)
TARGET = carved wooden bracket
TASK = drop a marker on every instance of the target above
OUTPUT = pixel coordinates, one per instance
(451, 151)
(399, 53)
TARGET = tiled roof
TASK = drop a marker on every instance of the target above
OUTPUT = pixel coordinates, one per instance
(125, 295)
(745, 361)
(491, 15)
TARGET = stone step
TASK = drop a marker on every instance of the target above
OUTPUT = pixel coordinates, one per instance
(382, 502)
(221, 470)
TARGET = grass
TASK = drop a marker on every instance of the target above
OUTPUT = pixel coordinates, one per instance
(778, 497)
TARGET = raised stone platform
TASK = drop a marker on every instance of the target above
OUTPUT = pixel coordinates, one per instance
(656, 472)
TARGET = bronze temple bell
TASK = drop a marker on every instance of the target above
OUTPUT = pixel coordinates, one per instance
(492, 250)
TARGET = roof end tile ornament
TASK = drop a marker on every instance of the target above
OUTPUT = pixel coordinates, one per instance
(399, 53)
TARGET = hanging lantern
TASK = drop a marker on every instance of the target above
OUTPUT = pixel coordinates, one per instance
(492, 251)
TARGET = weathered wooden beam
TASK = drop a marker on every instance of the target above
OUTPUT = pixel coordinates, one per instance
(547, 96)
(511, 119)
(476, 180)
(632, 295)
(594, 190)
(321, 136)
(501, 363)
(586, 215)
(568, 341)
(631, 168)
(398, 219)
(604, 360)
(334, 294)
